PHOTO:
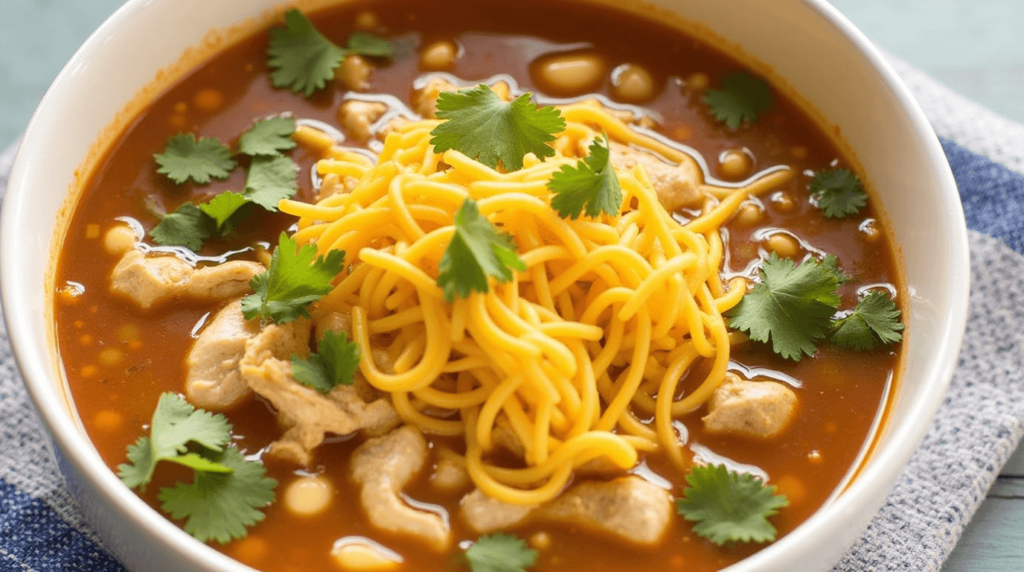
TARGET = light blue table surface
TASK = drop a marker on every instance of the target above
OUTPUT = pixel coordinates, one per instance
(973, 46)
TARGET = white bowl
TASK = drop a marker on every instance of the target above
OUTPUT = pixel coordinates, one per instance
(808, 44)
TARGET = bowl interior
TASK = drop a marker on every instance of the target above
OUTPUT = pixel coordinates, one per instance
(807, 44)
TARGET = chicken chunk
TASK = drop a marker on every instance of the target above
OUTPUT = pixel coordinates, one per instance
(149, 280)
(759, 409)
(213, 380)
(450, 474)
(676, 185)
(382, 467)
(628, 508)
(484, 514)
(305, 414)
(357, 117)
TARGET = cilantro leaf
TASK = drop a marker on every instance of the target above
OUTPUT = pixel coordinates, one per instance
(184, 227)
(366, 44)
(334, 364)
(591, 185)
(296, 278)
(874, 320)
(185, 158)
(175, 424)
(268, 137)
(303, 60)
(740, 100)
(482, 126)
(838, 192)
(500, 553)
(729, 506)
(792, 306)
(270, 179)
(221, 207)
(220, 506)
(477, 250)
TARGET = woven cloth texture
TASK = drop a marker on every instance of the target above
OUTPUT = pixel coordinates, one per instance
(977, 428)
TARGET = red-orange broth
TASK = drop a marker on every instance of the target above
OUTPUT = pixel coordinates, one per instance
(843, 393)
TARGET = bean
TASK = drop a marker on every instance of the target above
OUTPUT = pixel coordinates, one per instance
(783, 202)
(632, 83)
(697, 80)
(354, 73)
(308, 496)
(783, 245)
(111, 356)
(735, 164)
(570, 74)
(119, 239)
(439, 55)
(749, 214)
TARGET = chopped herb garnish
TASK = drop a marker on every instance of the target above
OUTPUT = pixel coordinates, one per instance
(222, 207)
(220, 506)
(591, 186)
(187, 227)
(296, 278)
(740, 100)
(270, 179)
(268, 137)
(185, 158)
(175, 424)
(838, 192)
(477, 250)
(792, 306)
(228, 490)
(729, 506)
(500, 553)
(875, 320)
(483, 127)
(303, 60)
(334, 364)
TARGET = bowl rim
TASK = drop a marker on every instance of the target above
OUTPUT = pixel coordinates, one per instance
(77, 450)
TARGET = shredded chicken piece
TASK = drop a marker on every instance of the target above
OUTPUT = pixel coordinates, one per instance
(628, 508)
(213, 380)
(450, 474)
(484, 514)
(357, 117)
(759, 409)
(383, 466)
(305, 414)
(677, 186)
(149, 280)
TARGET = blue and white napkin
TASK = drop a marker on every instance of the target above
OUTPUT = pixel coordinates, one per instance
(976, 430)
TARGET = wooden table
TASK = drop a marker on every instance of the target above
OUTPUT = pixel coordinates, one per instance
(971, 45)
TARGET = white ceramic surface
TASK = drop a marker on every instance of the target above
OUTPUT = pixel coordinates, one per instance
(807, 42)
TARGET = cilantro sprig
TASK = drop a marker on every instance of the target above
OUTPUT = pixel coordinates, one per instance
(838, 192)
(740, 100)
(729, 506)
(483, 127)
(304, 60)
(271, 177)
(500, 553)
(792, 307)
(334, 364)
(591, 186)
(227, 492)
(875, 320)
(477, 250)
(296, 278)
(185, 158)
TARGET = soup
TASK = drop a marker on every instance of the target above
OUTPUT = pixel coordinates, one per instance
(750, 197)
